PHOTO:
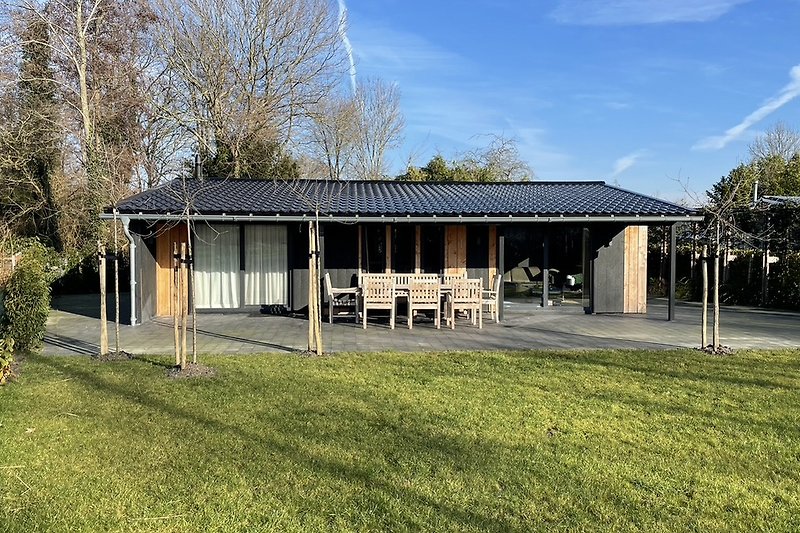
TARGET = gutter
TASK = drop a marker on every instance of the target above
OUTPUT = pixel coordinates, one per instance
(126, 229)
(449, 219)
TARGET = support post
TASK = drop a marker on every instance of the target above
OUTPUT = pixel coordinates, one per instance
(672, 273)
(417, 249)
(546, 271)
(501, 267)
(388, 248)
(132, 247)
(360, 251)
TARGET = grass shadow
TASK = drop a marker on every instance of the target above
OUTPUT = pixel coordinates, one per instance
(343, 470)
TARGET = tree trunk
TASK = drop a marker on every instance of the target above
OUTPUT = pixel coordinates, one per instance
(184, 305)
(176, 281)
(704, 326)
(101, 251)
(765, 273)
(116, 285)
(191, 286)
(314, 316)
(715, 334)
(311, 335)
(317, 291)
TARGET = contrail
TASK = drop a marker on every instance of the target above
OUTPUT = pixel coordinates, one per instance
(786, 95)
(346, 41)
(624, 163)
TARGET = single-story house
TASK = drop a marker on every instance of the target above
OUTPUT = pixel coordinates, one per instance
(250, 238)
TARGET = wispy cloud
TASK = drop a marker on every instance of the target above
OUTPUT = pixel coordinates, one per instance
(346, 41)
(635, 12)
(548, 161)
(789, 92)
(625, 162)
(394, 54)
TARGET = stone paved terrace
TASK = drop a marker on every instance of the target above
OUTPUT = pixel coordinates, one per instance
(73, 328)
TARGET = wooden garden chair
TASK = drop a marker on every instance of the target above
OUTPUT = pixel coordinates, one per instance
(424, 295)
(491, 298)
(466, 295)
(340, 297)
(378, 293)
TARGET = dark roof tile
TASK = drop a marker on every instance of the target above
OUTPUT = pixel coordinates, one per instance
(396, 198)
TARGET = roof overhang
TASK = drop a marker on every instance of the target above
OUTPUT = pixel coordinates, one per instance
(415, 219)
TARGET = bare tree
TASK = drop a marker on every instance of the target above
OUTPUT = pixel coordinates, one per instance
(380, 125)
(95, 47)
(500, 160)
(246, 71)
(780, 140)
(332, 135)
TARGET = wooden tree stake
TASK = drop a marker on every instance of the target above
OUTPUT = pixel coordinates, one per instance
(715, 340)
(101, 252)
(704, 326)
(116, 285)
(175, 307)
(184, 304)
(191, 286)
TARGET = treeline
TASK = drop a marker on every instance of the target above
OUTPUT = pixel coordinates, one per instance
(752, 229)
(102, 98)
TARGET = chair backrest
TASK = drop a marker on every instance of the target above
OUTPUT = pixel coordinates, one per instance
(378, 290)
(400, 279)
(328, 286)
(424, 292)
(498, 281)
(467, 291)
(447, 279)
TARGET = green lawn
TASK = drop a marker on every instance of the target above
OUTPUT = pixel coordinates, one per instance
(454, 441)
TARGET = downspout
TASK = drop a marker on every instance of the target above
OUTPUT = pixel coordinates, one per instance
(125, 227)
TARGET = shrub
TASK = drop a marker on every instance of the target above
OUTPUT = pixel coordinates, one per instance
(26, 303)
(6, 358)
(784, 282)
(743, 286)
(685, 290)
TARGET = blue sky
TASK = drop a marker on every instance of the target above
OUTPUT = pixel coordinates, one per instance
(642, 93)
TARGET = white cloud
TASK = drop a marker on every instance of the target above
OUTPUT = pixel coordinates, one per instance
(625, 162)
(789, 92)
(393, 53)
(634, 12)
(547, 161)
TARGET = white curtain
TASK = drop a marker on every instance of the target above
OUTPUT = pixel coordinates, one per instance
(266, 278)
(216, 266)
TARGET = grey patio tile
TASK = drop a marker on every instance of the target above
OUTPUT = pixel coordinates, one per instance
(524, 328)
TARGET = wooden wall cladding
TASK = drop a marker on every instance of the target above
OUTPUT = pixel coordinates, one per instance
(635, 270)
(166, 235)
(455, 250)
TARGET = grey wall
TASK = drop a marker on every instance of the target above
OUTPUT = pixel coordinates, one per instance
(145, 268)
(608, 264)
